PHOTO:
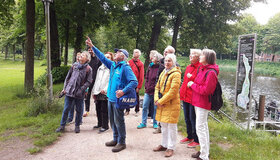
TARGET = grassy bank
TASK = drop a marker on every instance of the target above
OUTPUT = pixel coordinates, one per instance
(230, 142)
(14, 105)
(261, 68)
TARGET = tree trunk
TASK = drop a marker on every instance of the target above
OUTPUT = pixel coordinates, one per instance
(40, 50)
(61, 50)
(78, 42)
(23, 49)
(177, 25)
(14, 51)
(154, 38)
(66, 42)
(137, 36)
(30, 31)
(6, 51)
(55, 54)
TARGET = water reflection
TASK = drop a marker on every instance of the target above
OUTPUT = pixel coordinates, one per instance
(268, 86)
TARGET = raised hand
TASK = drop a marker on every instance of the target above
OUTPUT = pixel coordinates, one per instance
(89, 42)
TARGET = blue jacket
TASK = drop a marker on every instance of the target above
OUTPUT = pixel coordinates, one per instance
(128, 82)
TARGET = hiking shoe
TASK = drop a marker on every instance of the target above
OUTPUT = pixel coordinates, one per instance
(196, 155)
(77, 129)
(60, 129)
(159, 148)
(119, 147)
(141, 125)
(86, 114)
(155, 126)
(126, 113)
(168, 153)
(193, 145)
(157, 131)
(186, 140)
(111, 143)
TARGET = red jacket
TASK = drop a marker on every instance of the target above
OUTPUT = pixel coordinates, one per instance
(185, 92)
(139, 73)
(204, 86)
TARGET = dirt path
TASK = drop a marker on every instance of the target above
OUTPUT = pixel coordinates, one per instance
(88, 144)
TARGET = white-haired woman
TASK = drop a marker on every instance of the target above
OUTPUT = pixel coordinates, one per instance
(78, 79)
(150, 83)
(167, 100)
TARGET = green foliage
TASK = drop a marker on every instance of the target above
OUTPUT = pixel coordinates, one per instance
(34, 150)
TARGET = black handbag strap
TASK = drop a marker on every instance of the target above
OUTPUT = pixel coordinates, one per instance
(164, 82)
(136, 66)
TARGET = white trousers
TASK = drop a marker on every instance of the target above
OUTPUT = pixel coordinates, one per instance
(169, 135)
(202, 132)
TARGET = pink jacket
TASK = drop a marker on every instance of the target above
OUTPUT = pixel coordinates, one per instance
(204, 86)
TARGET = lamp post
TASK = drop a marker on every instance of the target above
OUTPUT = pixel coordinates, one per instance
(48, 48)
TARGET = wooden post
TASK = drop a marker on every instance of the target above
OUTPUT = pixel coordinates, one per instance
(261, 108)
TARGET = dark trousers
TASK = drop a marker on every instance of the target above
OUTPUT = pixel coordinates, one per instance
(137, 106)
(87, 101)
(190, 117)
(102, 113)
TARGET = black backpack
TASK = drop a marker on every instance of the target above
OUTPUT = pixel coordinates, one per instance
(216, 98)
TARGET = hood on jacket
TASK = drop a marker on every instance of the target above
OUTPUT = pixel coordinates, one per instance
(211, 66)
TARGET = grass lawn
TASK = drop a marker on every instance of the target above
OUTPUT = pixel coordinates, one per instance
(13, 121)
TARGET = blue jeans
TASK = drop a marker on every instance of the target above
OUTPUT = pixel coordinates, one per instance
(190, 117)
(68, 104)
(71, 113)
(116, 117)
(147, 102)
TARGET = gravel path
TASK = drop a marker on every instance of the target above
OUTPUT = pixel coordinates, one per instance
(89, 145)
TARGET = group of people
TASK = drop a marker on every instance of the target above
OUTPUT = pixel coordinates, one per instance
(109, 77)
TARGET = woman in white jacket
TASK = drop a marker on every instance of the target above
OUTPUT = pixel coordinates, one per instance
(99, 93)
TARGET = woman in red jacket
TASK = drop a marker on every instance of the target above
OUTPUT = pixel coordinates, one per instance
(186, 97)
(202, 87)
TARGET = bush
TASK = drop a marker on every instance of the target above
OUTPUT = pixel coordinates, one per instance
(40, 105)
(58, 75)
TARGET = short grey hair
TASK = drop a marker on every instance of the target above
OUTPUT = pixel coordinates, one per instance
(87, 54)
(210, 56)
(172, 49)
(172, 57)
(138, 51)
(159, 56)
(153, 52)
(124, 56)
(197, 52)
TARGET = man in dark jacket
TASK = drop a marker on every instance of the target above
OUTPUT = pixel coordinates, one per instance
(94, 64)
(78, 79)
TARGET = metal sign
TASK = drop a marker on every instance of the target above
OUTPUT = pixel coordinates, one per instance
(244, 74)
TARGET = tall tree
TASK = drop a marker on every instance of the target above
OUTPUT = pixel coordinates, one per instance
(30, 32)
(54, 38)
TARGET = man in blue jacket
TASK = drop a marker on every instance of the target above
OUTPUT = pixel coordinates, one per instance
(118, 70)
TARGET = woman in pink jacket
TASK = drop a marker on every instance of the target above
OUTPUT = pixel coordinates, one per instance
(202, 87)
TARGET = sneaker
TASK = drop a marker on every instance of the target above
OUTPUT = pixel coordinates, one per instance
(119, 147)
(155, 126)
(186, 140)
(141, 125)
(86, 114)
(157, 131)
(77, 129)
(111, 143)
(102, 130)
(193, 145)
(96, 127)
(126, 113)
(60, 129)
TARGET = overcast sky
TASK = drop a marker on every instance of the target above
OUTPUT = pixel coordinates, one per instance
(263, 12)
